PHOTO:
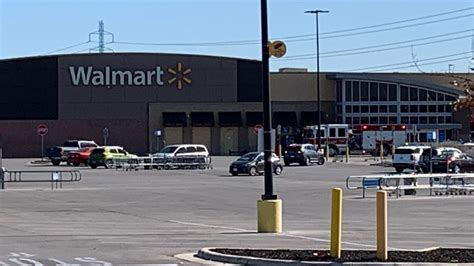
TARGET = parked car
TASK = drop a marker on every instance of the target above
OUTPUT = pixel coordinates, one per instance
(449, 162)
(59, 154)
(181, 153)
(104, 156)
(407, 157)
(252, 164)
(304, 154)
(424, 162)
(77, 158)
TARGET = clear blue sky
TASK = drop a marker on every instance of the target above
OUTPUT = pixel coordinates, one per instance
(36, 27)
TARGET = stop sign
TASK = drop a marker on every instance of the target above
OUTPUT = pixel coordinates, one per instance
(42, 129)
(256, 128)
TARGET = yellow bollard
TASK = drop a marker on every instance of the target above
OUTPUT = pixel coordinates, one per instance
(382, 233)
(327, 153)
(269, 218)
(347, 154)
(336, 222)
(381, 153)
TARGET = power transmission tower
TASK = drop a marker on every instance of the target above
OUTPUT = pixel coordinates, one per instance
(101, 32)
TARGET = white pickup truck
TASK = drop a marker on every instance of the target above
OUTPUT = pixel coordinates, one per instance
(59, 154)
(407, 157)
(411, 157)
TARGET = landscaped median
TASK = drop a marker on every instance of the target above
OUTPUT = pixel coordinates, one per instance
(434, 256)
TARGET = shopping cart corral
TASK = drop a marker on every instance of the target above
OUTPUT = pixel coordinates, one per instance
(152, 162)
(182, 162)
(435, 184)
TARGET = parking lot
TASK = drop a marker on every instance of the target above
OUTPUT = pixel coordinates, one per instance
(148, 216)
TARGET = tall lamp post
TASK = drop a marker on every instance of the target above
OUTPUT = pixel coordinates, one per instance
(269, 207)
(316, 12)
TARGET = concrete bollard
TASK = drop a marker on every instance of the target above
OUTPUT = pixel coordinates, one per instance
(336, 222)
(382, 233)
(269, 216)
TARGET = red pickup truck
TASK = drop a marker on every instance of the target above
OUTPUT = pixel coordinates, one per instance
(60, 153)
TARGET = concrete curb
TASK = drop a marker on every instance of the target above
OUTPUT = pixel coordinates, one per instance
(206, 253)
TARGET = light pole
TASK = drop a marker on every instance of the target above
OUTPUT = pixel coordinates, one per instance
(316, 12)
(269, 208)
(267, 111)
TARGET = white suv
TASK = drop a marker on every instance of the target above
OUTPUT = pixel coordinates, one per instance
(407, 157)
(181, 153)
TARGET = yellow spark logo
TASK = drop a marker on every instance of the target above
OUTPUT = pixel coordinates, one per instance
(179, 75)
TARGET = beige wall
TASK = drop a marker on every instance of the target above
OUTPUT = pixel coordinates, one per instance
(301, 87)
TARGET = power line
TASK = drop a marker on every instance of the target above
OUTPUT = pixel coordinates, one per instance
(381, 45)
(426, 64)
(289, 38)
(384, 24)
(377, 50)
(408, 62)
(72, 46)
(396, 28)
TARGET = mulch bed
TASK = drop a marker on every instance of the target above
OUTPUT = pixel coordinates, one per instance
(445, 255)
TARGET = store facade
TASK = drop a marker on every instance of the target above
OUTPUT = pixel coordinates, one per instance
(214, 101)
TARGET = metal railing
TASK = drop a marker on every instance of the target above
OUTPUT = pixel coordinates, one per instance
(149, 162)
(55, 177)
(394, 184)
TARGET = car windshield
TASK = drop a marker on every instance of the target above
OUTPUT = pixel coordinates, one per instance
(169, 149)
(405, 151)
(70, 144)
(248, 157)
(294, 148)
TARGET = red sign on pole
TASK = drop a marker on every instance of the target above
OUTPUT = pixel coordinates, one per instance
(256, 128)
(42, 129)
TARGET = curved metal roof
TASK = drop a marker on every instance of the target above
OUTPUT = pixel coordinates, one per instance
(391, 79)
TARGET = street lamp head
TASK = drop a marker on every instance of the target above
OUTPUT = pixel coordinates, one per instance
(316, 11)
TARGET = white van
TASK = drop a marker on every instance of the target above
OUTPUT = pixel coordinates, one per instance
(182, 154)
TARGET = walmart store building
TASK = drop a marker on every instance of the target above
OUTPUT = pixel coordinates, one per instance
(215, 101)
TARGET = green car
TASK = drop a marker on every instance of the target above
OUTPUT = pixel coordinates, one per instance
(104, 156)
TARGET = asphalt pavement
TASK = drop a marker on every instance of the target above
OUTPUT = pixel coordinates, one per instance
(148, 216)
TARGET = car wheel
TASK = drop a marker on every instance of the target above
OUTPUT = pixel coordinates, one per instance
(253, 171)
(398, 169)
(93, 166)
(55, 162)
(75, 164)
(320, 161)
(287, 163)
(234, 173)
(109, 163)
(457, 169)
(307, 161)
(278, 170)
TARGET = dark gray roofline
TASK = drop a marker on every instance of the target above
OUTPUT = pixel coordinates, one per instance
(386, 78)
(125, 53)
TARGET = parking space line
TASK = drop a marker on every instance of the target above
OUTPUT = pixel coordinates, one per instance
(282, 234)
(210, 226)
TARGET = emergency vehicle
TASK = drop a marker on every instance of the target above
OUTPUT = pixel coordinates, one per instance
(335, 136)
(374, 136)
